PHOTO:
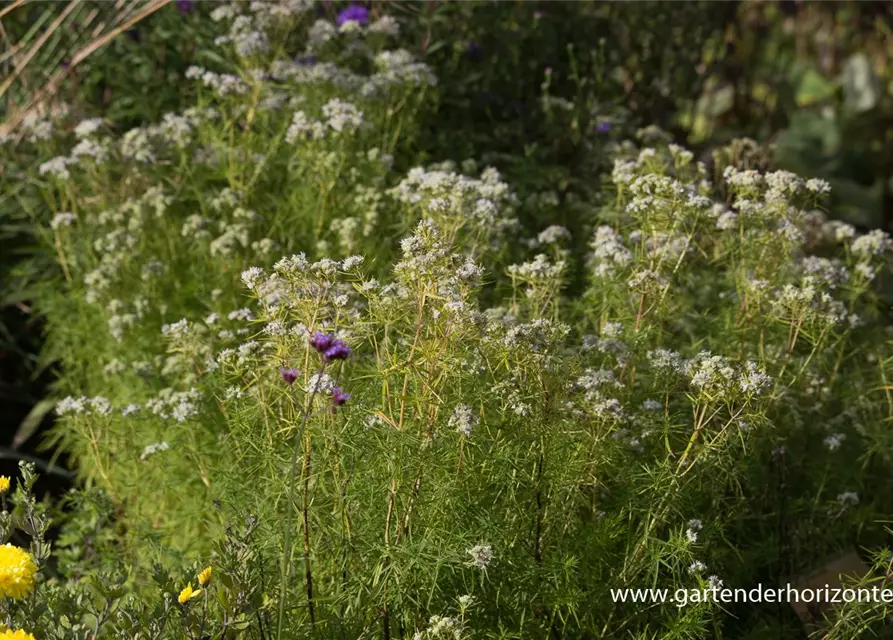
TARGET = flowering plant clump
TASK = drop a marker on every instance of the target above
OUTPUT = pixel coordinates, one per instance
(445, 418)
(83, 590)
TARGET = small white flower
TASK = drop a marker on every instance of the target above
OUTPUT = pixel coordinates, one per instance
(64, 219)
(694, 526)
(652, 405)
(87, 127)
(154, 448)
(833, 442)
(481, 555)
(252, 276)
(697, 567)
(463, 420)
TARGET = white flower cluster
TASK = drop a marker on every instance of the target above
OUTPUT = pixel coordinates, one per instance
(848, 498)
(875, 243)
(98, 152)
(553, 234)
(541, 269)
(151, 449)
(608, 252)
(834, 441)
(715, 374)
(441, 627)
(83, 405)
(694, 527)
(463, 420)
(36, 128)
(341, 116)
(453, 199)
(247, 36)
(223, 84)
(395, 69)
(385, 25)
(88, 127)
(56, 167)
(805, 302)
(481, 555)
(176, 405)
(64, 219)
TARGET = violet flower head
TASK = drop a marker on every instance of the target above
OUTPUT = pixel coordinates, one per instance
(339, 397)
(353, 13)
(604, 127)
(289, 375)
(330, 347)
(321, 341)
(474, 51)
(185, 6)
(338, 351)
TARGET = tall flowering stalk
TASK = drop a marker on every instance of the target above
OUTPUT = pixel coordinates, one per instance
(330, 349)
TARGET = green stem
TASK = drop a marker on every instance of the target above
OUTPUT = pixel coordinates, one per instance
(291, 521)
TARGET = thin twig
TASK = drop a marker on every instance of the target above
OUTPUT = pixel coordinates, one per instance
(21, 64)
(51, 87)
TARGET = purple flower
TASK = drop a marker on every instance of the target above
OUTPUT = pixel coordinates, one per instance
(330, 347)
(321, 341)
(289, 375)
(604, 127)
(353, 13)
(339, 397)
(185, 6)
(338, 351)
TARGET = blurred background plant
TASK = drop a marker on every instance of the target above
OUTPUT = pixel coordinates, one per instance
(118, 60)
(813, 80)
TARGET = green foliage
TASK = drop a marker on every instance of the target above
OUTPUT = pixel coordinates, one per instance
(455, 401)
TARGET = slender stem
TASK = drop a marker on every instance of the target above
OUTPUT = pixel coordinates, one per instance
(306, 520)
(290, 521)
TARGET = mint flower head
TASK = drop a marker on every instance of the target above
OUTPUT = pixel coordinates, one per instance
(353, 13)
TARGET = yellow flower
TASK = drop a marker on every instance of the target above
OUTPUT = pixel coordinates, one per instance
(17, 571)
(188, 594)
(16, 635)
(4, 484)
(205, 576)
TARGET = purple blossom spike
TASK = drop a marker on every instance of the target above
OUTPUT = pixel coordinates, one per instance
(322, 341)
(185, 6)
(289, 375)
(329, 346)
(353, 13)
(339, 397)
(604, 127)
(338, 351)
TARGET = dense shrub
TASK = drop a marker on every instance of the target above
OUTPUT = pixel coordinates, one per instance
(381, 399)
